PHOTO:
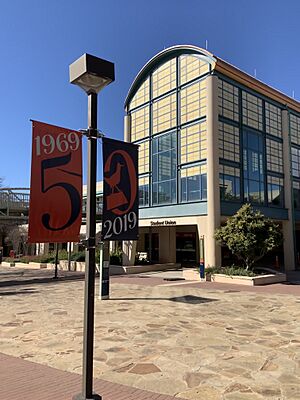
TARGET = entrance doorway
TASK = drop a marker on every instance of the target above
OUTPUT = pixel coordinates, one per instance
(152, 246)
(186, 248)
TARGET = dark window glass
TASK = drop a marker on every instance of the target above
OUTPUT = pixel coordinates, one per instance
(253, 167)
(193, 183)
(164, 167)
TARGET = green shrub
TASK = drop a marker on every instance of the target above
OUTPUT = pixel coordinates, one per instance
(116, 257)
(79, 256)
(231, 270)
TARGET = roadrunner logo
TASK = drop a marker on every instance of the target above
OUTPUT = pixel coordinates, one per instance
(120, 205)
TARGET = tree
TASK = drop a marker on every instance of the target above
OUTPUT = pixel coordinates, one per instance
(249, 235)
(18, 237)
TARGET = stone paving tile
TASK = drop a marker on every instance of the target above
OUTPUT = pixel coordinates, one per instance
(191, 342)
(24, 380)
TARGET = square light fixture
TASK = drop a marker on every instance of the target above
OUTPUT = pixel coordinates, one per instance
(91, 73)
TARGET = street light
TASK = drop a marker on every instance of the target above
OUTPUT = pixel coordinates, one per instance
(92, 74)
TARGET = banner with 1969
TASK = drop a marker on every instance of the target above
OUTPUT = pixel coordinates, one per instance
(56, 184)
(120, 190)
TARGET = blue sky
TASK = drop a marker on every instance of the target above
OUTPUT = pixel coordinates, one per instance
(39, 39)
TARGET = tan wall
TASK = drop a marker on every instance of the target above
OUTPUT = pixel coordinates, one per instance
(212, 249)
(287, 226)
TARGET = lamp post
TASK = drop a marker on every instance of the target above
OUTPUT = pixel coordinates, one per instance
(91, 74)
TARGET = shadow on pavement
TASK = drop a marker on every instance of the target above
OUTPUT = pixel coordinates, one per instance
(43, 280)
(180, 299)
(17, 292)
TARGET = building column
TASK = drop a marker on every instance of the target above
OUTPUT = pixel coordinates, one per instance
(167, 244)
(289, 225)
(212, 249)
(129, 252)
(127, 128)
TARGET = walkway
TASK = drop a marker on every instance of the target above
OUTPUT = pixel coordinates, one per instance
(25, 380)
(196, 341)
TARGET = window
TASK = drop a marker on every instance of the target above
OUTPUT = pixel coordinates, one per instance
(143, 157)
(140, 124)
(296, 193)
(274, 156)
(193, 143)
(192, 67)
(252, 111)
(228, 100)
(193, 183)
(229, 183)
(273, 120)
(141, 96)
(164, 169)
(144, 191)
(164, 114)
(229, 142)
(275, 191)
(253, 167)
(193, 102)
(295, 129)
(295, 162)
(164, 78)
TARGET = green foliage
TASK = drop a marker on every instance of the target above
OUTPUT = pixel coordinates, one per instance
(116, 257)
(79, 256)
(230, 270)
(249, 235)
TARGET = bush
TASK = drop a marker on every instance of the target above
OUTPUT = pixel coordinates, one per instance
(249, 235)
(79, 256)
(116, 257)
(231, 270)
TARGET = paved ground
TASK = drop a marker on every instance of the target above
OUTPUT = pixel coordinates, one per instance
(25, 380)
(193, 341)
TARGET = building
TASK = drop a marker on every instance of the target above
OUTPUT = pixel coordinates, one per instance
(211, 137)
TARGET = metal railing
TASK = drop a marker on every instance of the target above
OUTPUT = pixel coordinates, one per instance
(14, 201)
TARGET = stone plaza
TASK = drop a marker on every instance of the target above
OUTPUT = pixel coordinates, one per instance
(190, 340)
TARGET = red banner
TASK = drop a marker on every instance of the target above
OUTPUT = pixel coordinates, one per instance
(56, 184)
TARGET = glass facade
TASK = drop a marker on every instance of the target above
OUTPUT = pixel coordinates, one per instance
(274, 156)
(191, 67)
(144, 191)
(168, 121)
(193, 185)
(229, 142)
(140, 123)
(275, 191)
(295, 129)
(253, 166)
(230, 184)
(251, 147)
(193, 102)
(252, 111)
(228, 100)
(193, 143)
(164, 169)
(142, 95)
(273, 120)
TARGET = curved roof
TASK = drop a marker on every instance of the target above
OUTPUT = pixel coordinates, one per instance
(218, 65)
(162, 56)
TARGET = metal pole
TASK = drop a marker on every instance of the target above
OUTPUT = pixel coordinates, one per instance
(56, 262)
(90, 263)
(69, 256)
(100, 269)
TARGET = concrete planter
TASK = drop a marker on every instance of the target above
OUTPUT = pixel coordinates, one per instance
(191, 275)
(136, 269)
(35, 265)
(79, 266)
(247, 280)
(8, 264)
